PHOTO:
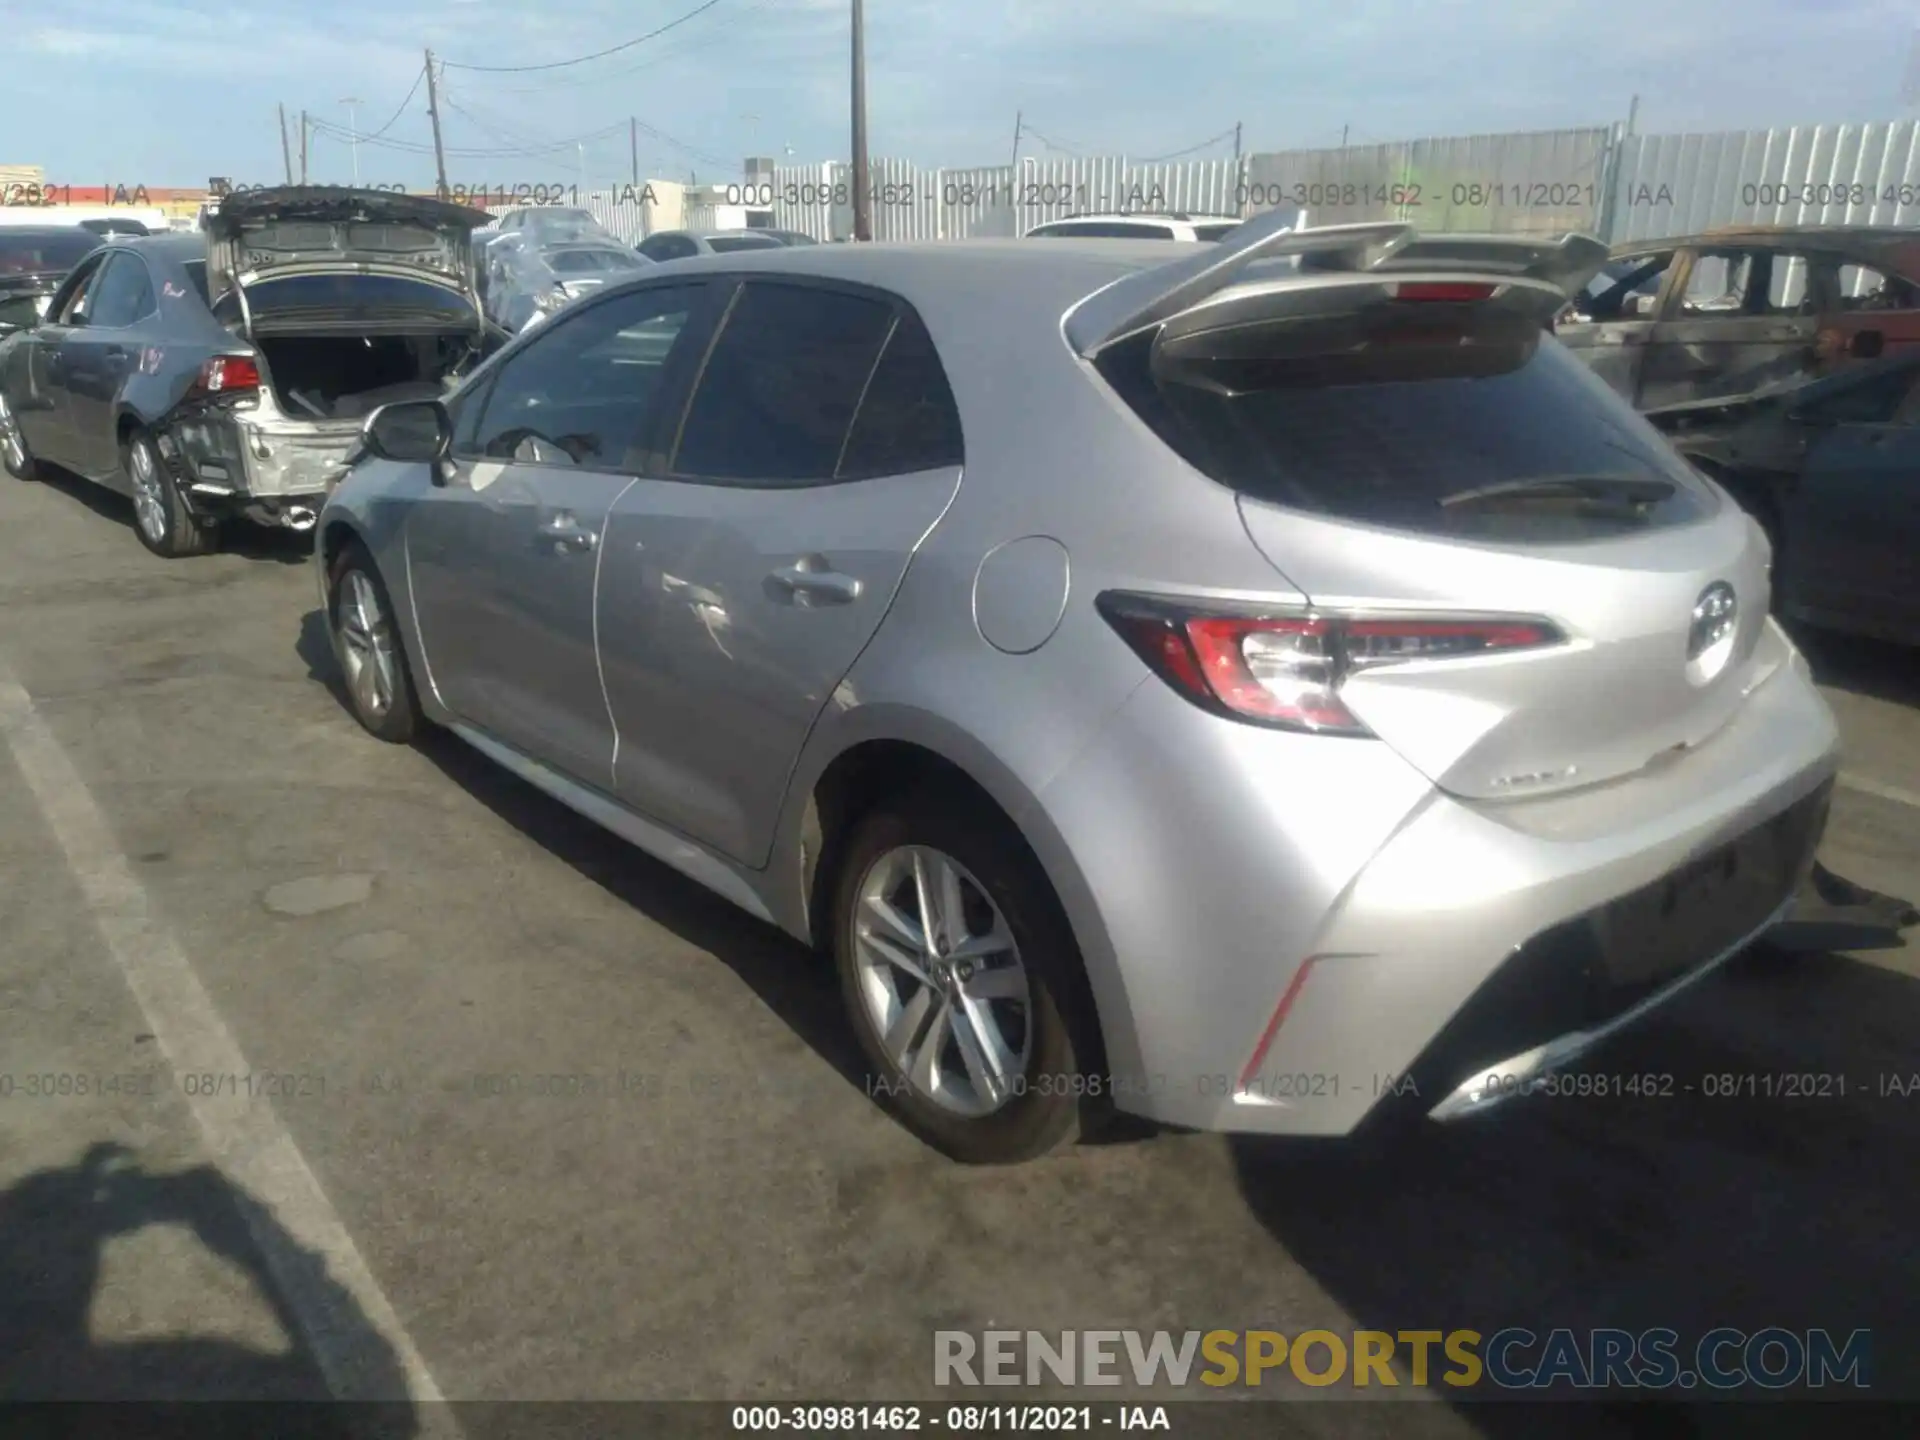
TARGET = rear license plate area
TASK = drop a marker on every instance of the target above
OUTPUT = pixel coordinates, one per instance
(1714, 901)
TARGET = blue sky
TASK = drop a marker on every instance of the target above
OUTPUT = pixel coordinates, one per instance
(161, 93)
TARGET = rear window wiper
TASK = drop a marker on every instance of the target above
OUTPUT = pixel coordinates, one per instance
(1631, 493)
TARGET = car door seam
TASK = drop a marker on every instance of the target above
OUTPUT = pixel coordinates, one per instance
(813, 725)
(599, 661)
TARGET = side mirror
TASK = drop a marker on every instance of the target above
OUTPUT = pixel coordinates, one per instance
(418, 432)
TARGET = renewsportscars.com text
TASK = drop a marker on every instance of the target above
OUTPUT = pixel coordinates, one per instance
(1508, 1359)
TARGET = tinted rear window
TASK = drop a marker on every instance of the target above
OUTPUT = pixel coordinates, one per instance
(576, 262)
(197, 276)
(1382, 432)
(28, 253)
(727, 244)
(1215, 232)
(1108, 230)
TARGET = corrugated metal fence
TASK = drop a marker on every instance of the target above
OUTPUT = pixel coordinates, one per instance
(1799, 175)
(1598, 179)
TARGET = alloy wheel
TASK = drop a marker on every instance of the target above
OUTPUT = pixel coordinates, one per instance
(149, 497)
(11, 440)
(366, 646)
(942, 981)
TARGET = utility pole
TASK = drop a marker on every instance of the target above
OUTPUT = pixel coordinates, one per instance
(433, 114)
(862, 199)
(633, 146)
(286, 151)
(1633, 115)
(1019, 119)
(303, 147)
(1236, 141)
(352, 102)
(1343, 136)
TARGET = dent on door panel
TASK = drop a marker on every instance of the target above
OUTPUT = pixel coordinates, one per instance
(716, 666)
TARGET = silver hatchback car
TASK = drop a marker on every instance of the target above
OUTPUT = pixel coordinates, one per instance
(1265, 686)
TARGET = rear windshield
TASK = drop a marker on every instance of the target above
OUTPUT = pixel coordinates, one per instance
(726, 244)
(1215, 232)
(577, 262)
(1506, 436)
(197, 276)
(36, 253)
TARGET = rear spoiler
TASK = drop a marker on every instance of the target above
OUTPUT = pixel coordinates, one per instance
(1151, 297)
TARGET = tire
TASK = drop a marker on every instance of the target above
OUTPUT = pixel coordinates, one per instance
(1045, 1099)
(369, 651)
(14, 454)
(160, 515)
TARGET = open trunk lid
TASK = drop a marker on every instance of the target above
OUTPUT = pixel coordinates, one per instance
(1410, 444)
(320, 259)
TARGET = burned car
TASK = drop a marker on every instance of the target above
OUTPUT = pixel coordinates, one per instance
(227, 374)
(1831, 470)
(34, 259)
(1733, 311)
(526, 281)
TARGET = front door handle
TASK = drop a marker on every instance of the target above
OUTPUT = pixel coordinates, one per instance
(563, 532)
(808, 581)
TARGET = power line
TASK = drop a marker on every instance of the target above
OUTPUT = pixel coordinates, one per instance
(420, 75)
(703, 156)
(583, 59)
(1177, 154)
(415, 147)
(525, 146)
(713, 37)
(1051, 144)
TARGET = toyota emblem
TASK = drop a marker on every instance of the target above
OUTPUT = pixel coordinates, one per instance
(1711, 632)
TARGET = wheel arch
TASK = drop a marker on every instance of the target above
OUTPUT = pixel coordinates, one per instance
(883, 750)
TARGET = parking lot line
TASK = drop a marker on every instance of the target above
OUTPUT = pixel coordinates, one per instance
(1874, 787)
(244, 1136)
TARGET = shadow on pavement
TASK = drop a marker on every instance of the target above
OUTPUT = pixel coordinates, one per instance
(249, 541)
(1748, 1207)
(1873, 668)
(786, 975)
(54, 1226)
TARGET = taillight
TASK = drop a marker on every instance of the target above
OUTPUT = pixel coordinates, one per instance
(1448, 291)
(226, 374)
(1285, 670)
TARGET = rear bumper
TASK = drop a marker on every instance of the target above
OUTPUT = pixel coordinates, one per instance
(1348, 935)
(267, 468)
(1572, 987)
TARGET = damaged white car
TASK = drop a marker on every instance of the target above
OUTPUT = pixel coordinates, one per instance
(226, 375)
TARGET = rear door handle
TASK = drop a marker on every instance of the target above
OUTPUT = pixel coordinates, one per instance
(563, 532)
(808, 581)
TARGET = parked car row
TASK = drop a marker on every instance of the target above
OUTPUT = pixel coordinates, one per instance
(227, 374)
(1157, 674)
